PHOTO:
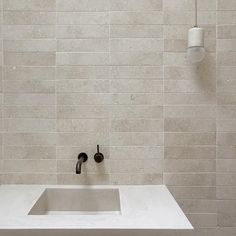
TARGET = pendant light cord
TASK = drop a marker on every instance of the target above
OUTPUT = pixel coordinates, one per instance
(195, 14)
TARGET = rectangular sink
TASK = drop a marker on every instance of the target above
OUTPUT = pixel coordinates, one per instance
(56, 201)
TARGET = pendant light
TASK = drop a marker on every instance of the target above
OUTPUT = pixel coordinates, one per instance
(195, 50)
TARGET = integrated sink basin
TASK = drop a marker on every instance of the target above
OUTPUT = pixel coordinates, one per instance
(90, 210)
(59, 201)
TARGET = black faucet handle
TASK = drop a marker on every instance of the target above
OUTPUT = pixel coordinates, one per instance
(98, 157)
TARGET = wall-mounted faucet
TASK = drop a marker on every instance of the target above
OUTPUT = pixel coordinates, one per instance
(82, 157)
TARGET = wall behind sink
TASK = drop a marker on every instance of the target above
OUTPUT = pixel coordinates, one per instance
(77, 73)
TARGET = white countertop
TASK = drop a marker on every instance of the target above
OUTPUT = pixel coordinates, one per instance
(142, 207)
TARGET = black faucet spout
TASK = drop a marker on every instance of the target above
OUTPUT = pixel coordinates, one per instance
(82, 157)
(79, 165)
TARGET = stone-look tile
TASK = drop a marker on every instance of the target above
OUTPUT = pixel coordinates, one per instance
(226, 17)
(136, 139)
(227, 58)
(181, 17)
(226, 192)
(82, 58)
(226, 73)
(190, 179)
(29, 125)
(136, 5)
(29, 86)
(189, 5)
(193, 192)
(17, 32)
(226, 109)
(226, 5)
(155, 99)
(203, 220)
(29, 152)
(82, 112)
(188, 86)
(29, 58)
(33, 166)
(225, 179)
(134, 152)
(83, 86)
(226, 152)
(136, 86)
(136, 31)
(117, 45)
(190, 112)
(81, 5)
(82, 139)
(83, 179)
(190, 73)
(28, 18)
(136, 58)
(29, 178)
(139, 111)
(226, 45)
(140, 125)
(189, 125)
(137, 179)
(136, 18)
(136, 72)
(187, 165)
(226, 31)
(226, 165)
(83, 45)
(32, 73)
(30, 45)
(190, 152)
(226, 213)
(226, 230)
(82, 31)
(150, 166)
(226, 139)
(226, 125)
(28, 5)
(85, 72)
(190, 98)
(74, 99)
(198, 205)
(82, 18)
(29, 139)
(29, 99)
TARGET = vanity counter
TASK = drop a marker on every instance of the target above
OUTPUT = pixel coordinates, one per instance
(142, 207)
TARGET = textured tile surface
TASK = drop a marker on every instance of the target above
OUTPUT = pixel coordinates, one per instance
(76, 73)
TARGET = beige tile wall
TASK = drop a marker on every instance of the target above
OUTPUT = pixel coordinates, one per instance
(77, 73)
(80, 73)
(190, 114)
(29, 87)
(226, 131)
